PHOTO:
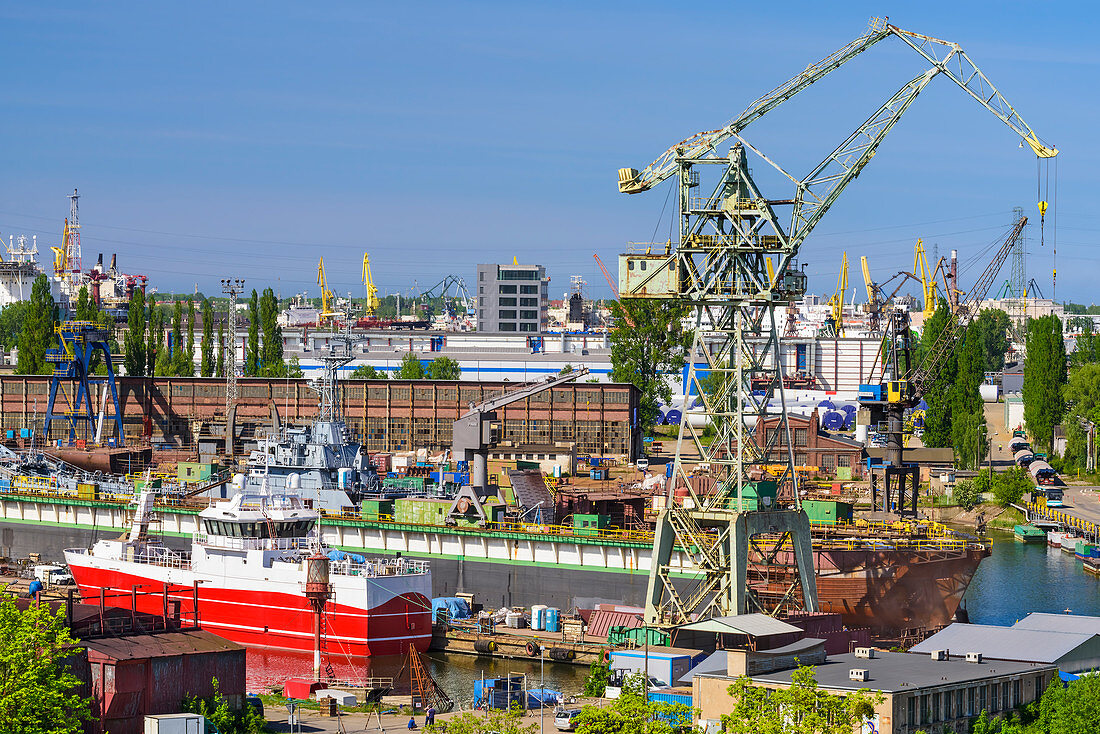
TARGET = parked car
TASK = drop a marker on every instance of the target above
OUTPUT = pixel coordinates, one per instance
(565, 719)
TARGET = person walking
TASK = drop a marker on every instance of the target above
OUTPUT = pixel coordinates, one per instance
(429, 717)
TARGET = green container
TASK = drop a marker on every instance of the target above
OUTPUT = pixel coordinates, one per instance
(827, 512)
(372, 509)
(194, 471)
(621, 635)
(589, 525)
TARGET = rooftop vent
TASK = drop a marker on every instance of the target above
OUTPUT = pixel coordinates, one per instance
(865, 652)
(859, 674)
(939, 654)
(973, 657)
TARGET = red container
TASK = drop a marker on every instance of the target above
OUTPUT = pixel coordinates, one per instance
(381, 462)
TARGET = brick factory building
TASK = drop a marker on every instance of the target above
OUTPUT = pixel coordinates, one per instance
(386, 415)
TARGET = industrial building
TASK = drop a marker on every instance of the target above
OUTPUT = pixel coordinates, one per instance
(387, 415)
(932, 693)
(1072, 651)
(512, 298)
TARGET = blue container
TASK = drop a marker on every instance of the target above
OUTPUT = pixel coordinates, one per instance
(24, 433)
(11, 434)
(553, 620)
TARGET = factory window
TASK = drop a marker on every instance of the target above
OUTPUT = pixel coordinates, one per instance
(507, 314)
(528, 301)
(506, 301)
(507, 327)
(1016, 699)
(467, 395)
(589, 397)
(517, 275)
(843, 460)
(828, 462)
(399, 393)
(936, 713)
(970, 701)
(959, 707)
(981, 697)
(507, 289)
(376, 393)
(530, 315)
(448, 394)
(911, 718)
(616, 396)
(529, 289)
(800, 436)
(482, 274)
(481, 301)
(528, 327)
(423, 393)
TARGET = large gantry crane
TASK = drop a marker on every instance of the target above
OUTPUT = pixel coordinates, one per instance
(747, 552)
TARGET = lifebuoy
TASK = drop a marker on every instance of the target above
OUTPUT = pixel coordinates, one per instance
(606, 657)
(532, 649)
(463, 505)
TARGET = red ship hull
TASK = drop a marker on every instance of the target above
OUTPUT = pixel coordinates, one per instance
(269, 619)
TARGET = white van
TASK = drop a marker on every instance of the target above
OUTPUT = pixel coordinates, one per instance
(53, 575)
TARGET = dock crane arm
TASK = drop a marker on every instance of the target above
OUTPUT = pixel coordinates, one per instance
(872, 289)
(371, 304)
(473, 434)
(944, 57)
(921, 379)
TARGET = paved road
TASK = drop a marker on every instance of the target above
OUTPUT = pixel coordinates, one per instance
(1082, 502)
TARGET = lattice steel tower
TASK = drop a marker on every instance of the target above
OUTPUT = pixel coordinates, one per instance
(232, 287)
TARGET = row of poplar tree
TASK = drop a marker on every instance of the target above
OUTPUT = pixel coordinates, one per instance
(159, 340)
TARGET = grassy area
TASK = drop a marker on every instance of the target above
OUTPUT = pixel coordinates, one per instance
(1007, 520)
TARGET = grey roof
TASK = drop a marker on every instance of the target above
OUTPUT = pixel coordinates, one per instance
(1060, 623)
(1004, 643)
(894, 672)
(754, 625)
(713, 663)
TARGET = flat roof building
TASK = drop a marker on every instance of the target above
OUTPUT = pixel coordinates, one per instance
(919, 692)
(512, 298)
(1072, 651)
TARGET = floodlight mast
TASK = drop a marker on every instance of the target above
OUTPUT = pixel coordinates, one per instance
(747, 540)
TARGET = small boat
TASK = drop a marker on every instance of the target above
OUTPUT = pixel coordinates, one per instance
(1054, 538)
(1028, 534)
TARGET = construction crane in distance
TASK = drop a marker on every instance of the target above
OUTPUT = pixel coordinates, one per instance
(900, 385)
(927, 279)
(834, 321)
(874, 296)
(328, 298)
(727, 231)
(371, 291)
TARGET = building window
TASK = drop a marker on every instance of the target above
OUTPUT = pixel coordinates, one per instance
(482, 274)
(507, 327)
(528, 301)
(506, 301)
(1016, 699)
(843, 460)
(911, 718)
(528, 314)
(528, 327)
(481, 288)
(936, 713)
(970, 702)
(959, 706)
(507, 289)
(517, 275)
(529, 290)
(828, 462)
(507, 314)
(800, 436)
(481, 301)
(981, 698)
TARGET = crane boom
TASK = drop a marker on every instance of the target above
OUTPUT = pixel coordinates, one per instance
(944, 57)
(371, 304)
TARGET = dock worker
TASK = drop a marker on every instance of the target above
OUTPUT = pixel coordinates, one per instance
(412, 723)
(429, 717)
(35, 589)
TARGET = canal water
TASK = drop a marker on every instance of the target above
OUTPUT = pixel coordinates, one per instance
(1017, 579)
(1020, 578)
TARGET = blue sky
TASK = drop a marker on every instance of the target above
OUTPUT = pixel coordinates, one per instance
(249, 139)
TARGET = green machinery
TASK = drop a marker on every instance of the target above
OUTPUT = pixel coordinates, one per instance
(748, 557)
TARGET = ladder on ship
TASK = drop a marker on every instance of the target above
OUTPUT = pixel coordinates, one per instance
(424, 686)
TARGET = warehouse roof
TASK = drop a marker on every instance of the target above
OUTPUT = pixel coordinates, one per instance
(754, 625)
(1060, 623)
(896, 672)
(1005, 643)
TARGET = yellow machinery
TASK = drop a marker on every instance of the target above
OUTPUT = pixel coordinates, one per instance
(328, 298)
(872, 289)
(836, 301)
(927, 279)
(372, 291)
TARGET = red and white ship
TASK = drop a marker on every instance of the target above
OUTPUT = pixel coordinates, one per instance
(247, 575)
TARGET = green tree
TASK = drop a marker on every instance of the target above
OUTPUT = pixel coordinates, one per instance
(206, 366)
(566, 369)
(36, 684)
(968, 429)
(599, 673)
(294, 369)
(180, 365)
(134, 360)
(411, 368)
(190, 337)
(1072, 709)
(802, 708)
(11, 323)
(1009, 486)
(367, 372)
(443, 368)
(271, 358)
(252, 352)
(966, 494)
(643, 354)
(938, 426)
(630, 713)
(38, 330)
(1087, 349)
(991, 327)
(216, 711)
(1082, 398)
(152, 345)
(1044, 376)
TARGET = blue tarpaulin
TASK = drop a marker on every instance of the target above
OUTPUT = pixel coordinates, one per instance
(339, 555)
(456, 608)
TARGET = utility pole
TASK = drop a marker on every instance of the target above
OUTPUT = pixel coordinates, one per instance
(232, 287)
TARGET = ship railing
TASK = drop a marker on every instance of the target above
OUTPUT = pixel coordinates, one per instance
(386, 567)
(164, 558)
(221, 541)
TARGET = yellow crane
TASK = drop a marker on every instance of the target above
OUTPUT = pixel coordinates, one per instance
(836, 301)
(328, 298)
(371, 304)
(872, 288)
(927, 279)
